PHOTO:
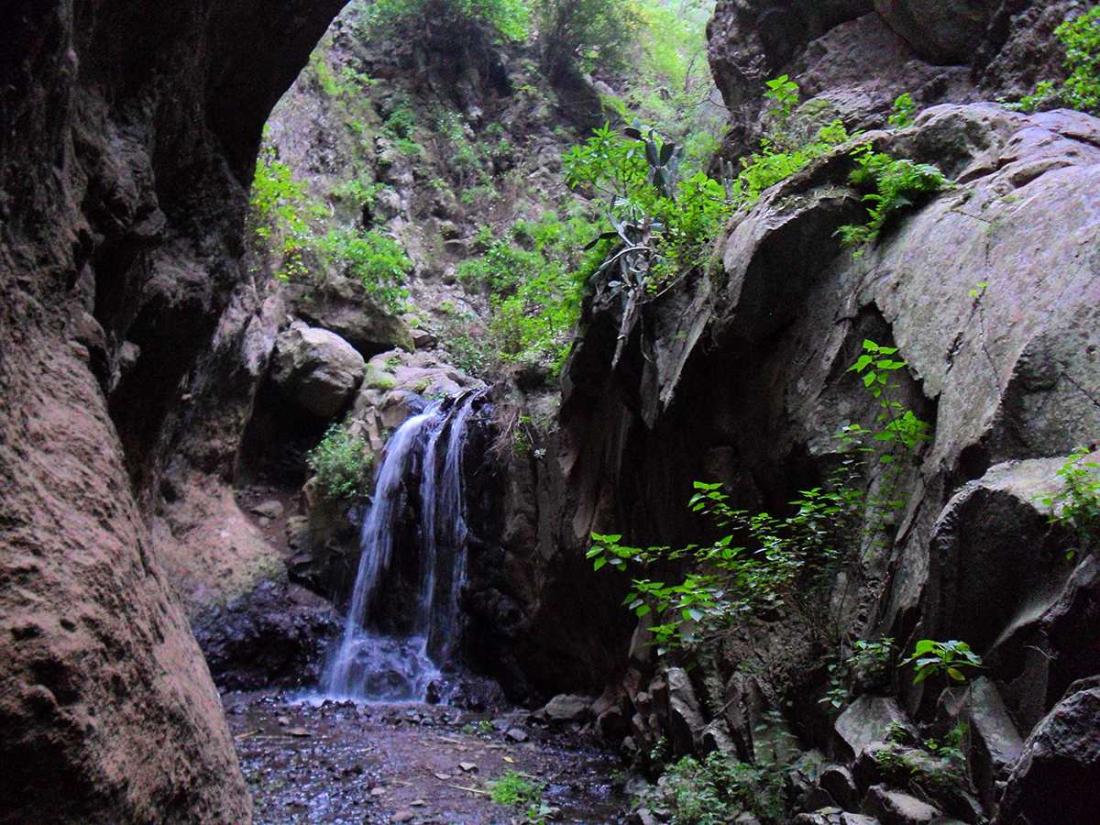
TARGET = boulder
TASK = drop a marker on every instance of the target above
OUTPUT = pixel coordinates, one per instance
(317, 369)
(896, 808)
(995, 744)
(272, 509)
(867, 722)
(837, 781)
(833, 816)
(343, 307)
(1057, 778)
(567, 707)
(937, 780)
(995, 553)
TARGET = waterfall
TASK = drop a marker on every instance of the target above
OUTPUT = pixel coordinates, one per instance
(368, 663)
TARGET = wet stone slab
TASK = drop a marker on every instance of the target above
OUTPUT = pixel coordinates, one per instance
(370, 763)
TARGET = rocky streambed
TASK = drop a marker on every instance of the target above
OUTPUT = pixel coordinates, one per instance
(341, 762)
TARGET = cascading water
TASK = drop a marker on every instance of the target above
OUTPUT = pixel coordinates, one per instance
(370, 664)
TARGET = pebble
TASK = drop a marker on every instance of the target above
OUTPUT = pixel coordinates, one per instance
(517, 734)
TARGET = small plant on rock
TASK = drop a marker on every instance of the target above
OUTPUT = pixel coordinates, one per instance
(1077, 504)
(904, 110)
(952, 659)
(716, 790)
(341, 463)
(895, 183)
(518, 790)
(868, 664)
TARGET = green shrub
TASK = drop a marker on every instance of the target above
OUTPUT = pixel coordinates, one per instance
(662, 225)
(280, 203)
(1080, 37)
(716, 789)
(950, 659)
(341, 463)
(513, 788)
(772, 164)
(535, 286)
(895, 183)
(401, 121)
(782, 560)
(286, 218)
(376, 260)
(586, 34)
(438, 21)
(868, 663)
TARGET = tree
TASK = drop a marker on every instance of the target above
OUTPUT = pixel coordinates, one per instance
(578, 35)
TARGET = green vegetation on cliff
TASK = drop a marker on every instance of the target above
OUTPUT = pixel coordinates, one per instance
(1080, 37)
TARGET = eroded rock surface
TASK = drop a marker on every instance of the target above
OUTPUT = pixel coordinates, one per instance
(130, 131)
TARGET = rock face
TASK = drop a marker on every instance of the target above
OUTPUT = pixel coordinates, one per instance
(1056, 778)
(859, 55)
(1001, 364)
(939, 32)
(316, 368)
(130, 131)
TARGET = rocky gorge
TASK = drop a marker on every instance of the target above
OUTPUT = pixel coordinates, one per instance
(166, 377)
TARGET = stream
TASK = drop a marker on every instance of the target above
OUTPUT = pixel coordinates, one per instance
(343, 763)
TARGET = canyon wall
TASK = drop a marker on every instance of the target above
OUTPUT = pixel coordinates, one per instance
(739, 375)
(130, 130)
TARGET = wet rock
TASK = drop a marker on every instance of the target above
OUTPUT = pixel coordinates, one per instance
(277, 634)
(317, 369)
(867, 721)
(1057, 778)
